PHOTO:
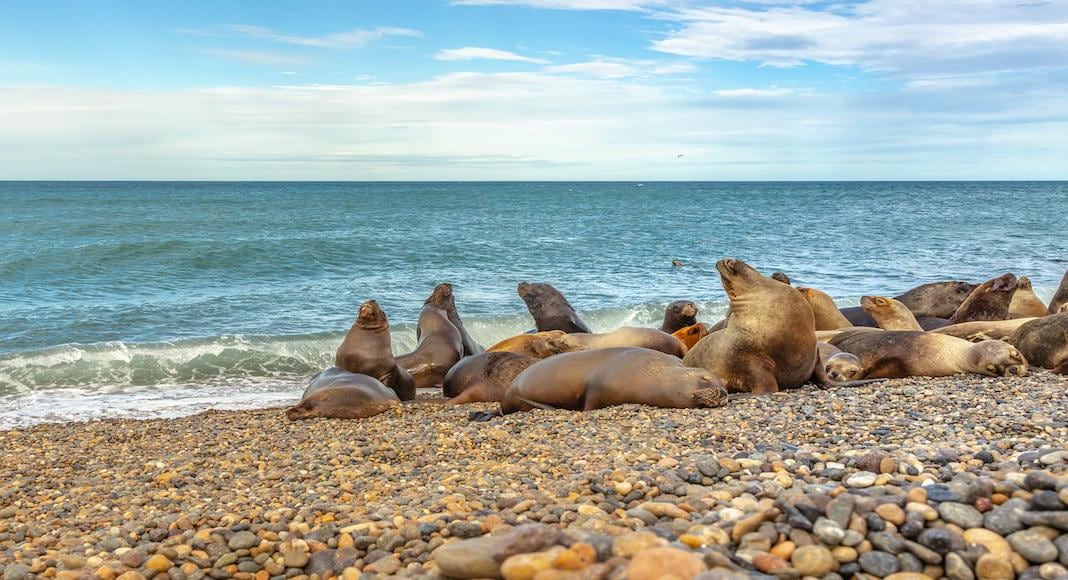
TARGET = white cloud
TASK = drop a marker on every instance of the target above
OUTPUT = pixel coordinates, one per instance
(255, 56)
(620, 68)
(567, 4)
(349, 39)
(480, 53)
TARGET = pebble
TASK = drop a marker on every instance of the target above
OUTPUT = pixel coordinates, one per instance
(861, 479)
(992, 567)
(812, 560)
(1033, 545)
(652, 563)
(878, 564)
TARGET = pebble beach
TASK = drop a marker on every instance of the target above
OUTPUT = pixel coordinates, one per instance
(962, 477)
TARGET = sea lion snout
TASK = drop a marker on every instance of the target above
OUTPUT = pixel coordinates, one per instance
(1004, 283)
(301, 411)
(689, 309)
(369, 312)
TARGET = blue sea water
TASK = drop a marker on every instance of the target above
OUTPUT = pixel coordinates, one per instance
(147, 299)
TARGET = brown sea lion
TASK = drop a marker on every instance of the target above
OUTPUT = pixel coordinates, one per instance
(934, 300)
(825, 312)
(679, 314)
(989, 301)
(368, 350)
(889, 314)
(1025, 303)
(770, 343)
(781, 277)
(484, 377)
(1044, 341)
(551, 311)
(533, 344)
(443, 298)
(835, 366)
(339, 394)
(627, 336)
(691, 334)
(1060, 297)
(981, 330)
(593, 379)
(440, 346)
(895, 354)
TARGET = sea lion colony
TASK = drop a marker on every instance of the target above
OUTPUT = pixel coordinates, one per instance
(775, 337)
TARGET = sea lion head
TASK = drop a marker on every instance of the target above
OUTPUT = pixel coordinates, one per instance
(1003, 283)
(875, 304)
(843, 367)
(1023, 283)
(710, 392)
(442, 297)
(554, 342)
(737, 276)
(692, 334)
(683, 310)
(302, 410)
(997, 358)
(371, 316)
(781, 277)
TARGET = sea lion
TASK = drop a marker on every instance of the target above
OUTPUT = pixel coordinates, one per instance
(368, 350)
(535, 344)
(981, 330)
(770, 343)
(627, 336)
(781, 277)
(443, 298)
(1044, 341)
(989, 301)
(935, 300)
(440, 346)
(691, 334)
(339, 394)
(825, 312)
(889, 314)
(593, 379)
(677, 263)
(679, 314)
(1025, 303)
(484, 377)
(895, 354)
(835, 366)
(1060, 297)
(551, 311)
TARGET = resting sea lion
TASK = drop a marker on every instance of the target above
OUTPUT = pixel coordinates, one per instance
(339, 394)
(535, 344)
(484, 377)
(627, 336)
(593, 379)
(989, 301)
(835, 366)
(895, 354)
(981, 330)
(679, 314)
(690, 335)
(368, 350)
(1025, 303)
(443, 298)
(1060, 297)
(770, 343)
(1044, 341)
(935, 300)
(551, 311)
(440, 346)
(781, 277)
(825, 312)
(889, 314)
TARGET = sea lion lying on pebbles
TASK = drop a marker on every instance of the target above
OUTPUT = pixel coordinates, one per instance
(338, 394)
(627, 336)
(679, 314)
(895, 354)
(484, 377)
(1025, 303)
(889, 314)
(368, 350)
(934, 300)
(691, 335)
(989, 301)
(1044, 341)
(535, 344)
(984, 329)
(551, 311)
(825, 312)
(836, 367)
(443, 298)
(440, 345)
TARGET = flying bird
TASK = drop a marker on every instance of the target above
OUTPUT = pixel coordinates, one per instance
(679, 156)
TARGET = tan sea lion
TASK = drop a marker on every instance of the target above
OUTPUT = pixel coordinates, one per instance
(484, 377)
(835, 366)
(824, 310)
(533, 344)
(1025, 303)
(1044, 341)
(935, 300)
(679, 314)
(889, 314)
(690, 335)
(627, 336)
(443, 298)
(440, 346)
(770, 343)
(1060, 297)
(339, 394)
(551, 311)
(368, 350)
(593, 379)
(981, 330)
(989, 301)
(895, 354)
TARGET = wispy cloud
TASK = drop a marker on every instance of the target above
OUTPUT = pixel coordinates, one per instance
(263, 57)
(480, 53)
(349, 39)
(568, 4)
(619, 68)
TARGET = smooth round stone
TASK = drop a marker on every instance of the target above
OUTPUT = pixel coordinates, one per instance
(957, 568)
(1046, 500)
(941, 540)
(960, 514)
(878, 564)
(828, 531)
(992, 567)
(940, 493)
(1033, 546)
(993, 543)
(1039, 480)
(469, 558)
(243, 541)
(812, 560)
(650, 564)
(1052, 571)
(861, 479)
(891, 513)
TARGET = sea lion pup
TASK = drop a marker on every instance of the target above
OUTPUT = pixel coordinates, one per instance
(368, 350)
(551, 311)
(889, 314)
(535, 344)
(339, 394)
(824, 310)
(440, 346)
(989, 301)
(835, 367)
(679, 314)
(781, 277)
(1025, 303)
(934, 300)
(1060, 297)
(691, 335)
(770, 343)
(593, 379)
(1044, 341)
(483, 377)
(896, 354)
(443, 298)
(627, 336)
(981, 330)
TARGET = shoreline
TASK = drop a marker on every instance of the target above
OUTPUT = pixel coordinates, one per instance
(251, 496)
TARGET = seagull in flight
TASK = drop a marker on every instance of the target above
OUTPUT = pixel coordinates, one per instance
(679, 156)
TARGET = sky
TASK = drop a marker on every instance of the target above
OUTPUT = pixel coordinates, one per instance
(534, 89)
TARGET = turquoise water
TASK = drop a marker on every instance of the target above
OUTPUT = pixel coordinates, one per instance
(156, 299)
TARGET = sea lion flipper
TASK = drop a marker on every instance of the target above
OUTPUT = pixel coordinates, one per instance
(483, 416)
(536, 405)
(848, 384)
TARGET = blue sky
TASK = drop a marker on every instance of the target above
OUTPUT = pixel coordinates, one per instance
(534, 89)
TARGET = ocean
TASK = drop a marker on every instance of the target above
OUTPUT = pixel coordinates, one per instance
(159, 299)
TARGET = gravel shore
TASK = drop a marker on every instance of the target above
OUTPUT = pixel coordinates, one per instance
(964, 477)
